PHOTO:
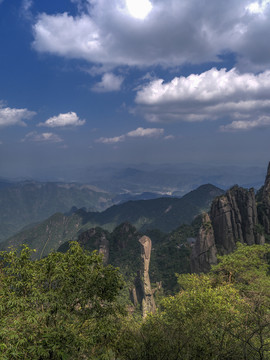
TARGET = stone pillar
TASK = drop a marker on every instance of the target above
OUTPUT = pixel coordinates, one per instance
(148, 302)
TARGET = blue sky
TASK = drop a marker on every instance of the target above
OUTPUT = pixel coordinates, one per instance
(95, 81)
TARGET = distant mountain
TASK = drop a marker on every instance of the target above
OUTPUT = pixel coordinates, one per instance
(165, 214)
(29, 202)
(121, 198)
(170, 179)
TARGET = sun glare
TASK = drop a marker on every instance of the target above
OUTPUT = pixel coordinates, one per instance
(139, 9)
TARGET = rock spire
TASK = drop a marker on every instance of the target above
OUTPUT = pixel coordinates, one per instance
(148, 302)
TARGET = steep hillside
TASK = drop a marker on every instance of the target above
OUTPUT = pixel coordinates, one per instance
(237, 216)
(121, 248)
(164, 214)
(30, 202)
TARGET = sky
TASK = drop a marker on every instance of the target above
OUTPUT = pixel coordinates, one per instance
(86, 82)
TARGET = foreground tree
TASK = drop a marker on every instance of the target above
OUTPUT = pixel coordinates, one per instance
(61, 307)
(224, 315)
(247, 269)
(190, 325)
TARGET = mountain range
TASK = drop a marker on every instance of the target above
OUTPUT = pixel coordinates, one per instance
(168, 179)
(28, 202)
(164, 214)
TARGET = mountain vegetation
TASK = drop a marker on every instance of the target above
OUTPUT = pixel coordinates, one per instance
(29, 202)
(164, 214)
(61, 307)
(203, 288)
(66, 306)
(221, 315)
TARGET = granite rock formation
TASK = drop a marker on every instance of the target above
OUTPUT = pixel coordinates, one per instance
(204, 252)
(148, 302)
(264, 206)
(96, 238)
(234, 218)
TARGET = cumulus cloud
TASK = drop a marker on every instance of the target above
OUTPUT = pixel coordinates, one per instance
(43, 137)
(258, 7)
(63, 120)
(173, 32)
(9, 116)
(241, 125)
(212, 95)
(139, 132)
(109, 82)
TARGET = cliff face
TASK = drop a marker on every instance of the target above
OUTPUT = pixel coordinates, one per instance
(204, 252)
(96, 238)
(234, 218)
(264, 208)
(148, 302)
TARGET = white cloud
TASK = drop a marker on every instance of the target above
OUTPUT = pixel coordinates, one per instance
(112, 140)
(169, 137)
(43, 137)
(139, 132)
(9, 116)
(212, 95)
(62, 120)
(174, 32)
(139, 9)
(258, 7)
(109, 82)
(262, 121)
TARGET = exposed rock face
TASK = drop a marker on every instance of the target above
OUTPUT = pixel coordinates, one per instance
(234, 218)
(123, 235)
(265, 205)
(148, 302)
(98, 240)
(204, 252)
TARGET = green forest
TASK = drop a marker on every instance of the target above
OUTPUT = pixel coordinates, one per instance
(71, 306)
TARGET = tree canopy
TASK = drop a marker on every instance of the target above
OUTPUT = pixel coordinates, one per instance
(60, 307)
(67, 306)
(224, 314)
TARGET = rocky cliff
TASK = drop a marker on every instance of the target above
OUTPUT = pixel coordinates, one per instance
(234, 218)
(204, 252)
(264, 204)
(96, 238)
(148, 302)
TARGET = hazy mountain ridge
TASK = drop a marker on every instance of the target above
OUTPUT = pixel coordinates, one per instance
(23, 203)
(20, 207)
(170, 179)
(165, 214)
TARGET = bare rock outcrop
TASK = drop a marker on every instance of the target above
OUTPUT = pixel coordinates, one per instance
(148, 302)
(96, 238)
(264, 207)
(204, 252)
(234, 218)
